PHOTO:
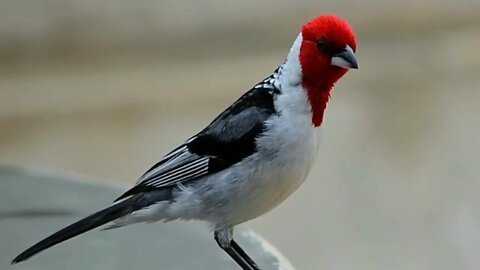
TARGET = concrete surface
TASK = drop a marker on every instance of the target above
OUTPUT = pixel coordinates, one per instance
(34, 205)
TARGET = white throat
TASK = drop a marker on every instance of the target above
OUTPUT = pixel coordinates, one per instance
(293, 100)
(290, 73)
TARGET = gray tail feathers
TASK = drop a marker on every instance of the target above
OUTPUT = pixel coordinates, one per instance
(95, 220)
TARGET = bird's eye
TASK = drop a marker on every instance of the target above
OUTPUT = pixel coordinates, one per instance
(322, 44)
(326, 46)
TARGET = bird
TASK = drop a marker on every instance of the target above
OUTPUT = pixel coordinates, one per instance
(249, 159)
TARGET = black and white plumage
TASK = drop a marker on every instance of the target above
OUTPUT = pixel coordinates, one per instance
(221, 150)
(248, 159)
(226, 141)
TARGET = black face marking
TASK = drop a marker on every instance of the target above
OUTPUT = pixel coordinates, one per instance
(327, 47)
(322, 43)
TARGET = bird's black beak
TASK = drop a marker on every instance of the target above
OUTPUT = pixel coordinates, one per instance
(345, 59)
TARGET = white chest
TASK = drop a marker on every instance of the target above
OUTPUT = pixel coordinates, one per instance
(283, 167)
(286, 152)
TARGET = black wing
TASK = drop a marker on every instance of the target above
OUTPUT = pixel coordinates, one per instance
(228, 139)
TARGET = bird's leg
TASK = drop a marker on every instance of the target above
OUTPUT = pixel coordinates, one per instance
(224, 238)
(244, 255)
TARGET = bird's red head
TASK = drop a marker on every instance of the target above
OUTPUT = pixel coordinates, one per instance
(326, 53)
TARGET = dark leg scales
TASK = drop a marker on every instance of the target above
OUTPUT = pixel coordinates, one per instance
(236, 253)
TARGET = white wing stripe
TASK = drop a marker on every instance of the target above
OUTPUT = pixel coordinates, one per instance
(177, 166)
(179, 171)
(182, 157)
(176, 152)
(184, 174)
(190, 175)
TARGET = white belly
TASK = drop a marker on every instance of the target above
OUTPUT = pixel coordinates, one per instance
(260, 182)
(285, 153)
(280, 174)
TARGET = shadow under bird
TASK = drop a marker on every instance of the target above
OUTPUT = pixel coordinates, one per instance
(249, 159)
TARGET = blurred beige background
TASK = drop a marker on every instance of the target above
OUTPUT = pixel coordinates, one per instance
(105, 88)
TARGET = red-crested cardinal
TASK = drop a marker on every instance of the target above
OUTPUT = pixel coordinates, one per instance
(250, 158)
